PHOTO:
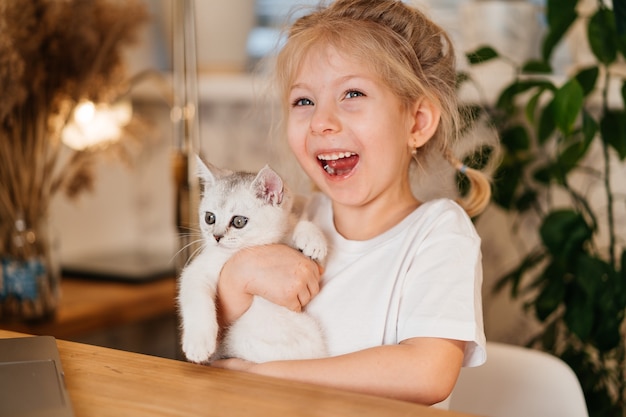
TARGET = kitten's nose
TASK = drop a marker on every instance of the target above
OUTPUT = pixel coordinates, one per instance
(218, 237)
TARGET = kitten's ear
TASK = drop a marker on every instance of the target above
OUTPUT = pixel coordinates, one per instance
(209, 173)
(268, 186)
(204, 172)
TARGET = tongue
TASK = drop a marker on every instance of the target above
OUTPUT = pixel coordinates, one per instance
(343, 166)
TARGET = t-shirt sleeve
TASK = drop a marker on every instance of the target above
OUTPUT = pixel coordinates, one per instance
(441, 295)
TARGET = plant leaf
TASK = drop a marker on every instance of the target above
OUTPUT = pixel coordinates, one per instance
(482, 54)
(602, 35)
(506, 100)
(579, 313)
(531, 107)
(564, 232)
(568, 102)
(621, 43)
(547, 124)
(606, 335)
(587, 79)
(619, 9)
(621, 280)
(613, 130)
(526, 200)
(507, 180)
(623, 269)
(537, 67)
(552, 292)
(568, 158)
(543, 174)
(515, 139)
(560, 15)
(590, 128)
(602, 284)
(589, 273)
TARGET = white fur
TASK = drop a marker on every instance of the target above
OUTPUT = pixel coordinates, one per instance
(266, 331)
(310, 240)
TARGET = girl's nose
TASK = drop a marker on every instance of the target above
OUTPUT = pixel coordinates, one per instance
(325, 120)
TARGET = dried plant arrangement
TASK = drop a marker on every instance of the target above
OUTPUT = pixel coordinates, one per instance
(54, 54)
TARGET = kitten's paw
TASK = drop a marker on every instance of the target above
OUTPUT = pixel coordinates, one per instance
(310, 240)
(198, 346)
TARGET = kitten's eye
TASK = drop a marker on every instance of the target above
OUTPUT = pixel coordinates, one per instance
(209, 217)
(353, 94)
(239, 221)
(302, 102)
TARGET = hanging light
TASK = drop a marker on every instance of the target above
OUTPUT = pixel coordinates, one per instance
(94, 124)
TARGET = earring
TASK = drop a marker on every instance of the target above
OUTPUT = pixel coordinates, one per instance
(414, 156)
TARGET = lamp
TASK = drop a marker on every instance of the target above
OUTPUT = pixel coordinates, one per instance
(93, 124)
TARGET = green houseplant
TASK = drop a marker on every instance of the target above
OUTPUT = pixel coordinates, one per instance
(558, 133)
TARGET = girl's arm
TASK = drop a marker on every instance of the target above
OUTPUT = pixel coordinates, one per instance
(277, 273)
(422, 370)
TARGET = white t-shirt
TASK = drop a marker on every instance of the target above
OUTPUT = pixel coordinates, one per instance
(421, 278)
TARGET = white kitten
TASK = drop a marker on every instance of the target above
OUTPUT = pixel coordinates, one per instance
(239, 210)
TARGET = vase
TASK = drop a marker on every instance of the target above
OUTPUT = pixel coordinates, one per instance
(29, 272)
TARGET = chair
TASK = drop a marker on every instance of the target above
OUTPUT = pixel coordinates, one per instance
(519, 382)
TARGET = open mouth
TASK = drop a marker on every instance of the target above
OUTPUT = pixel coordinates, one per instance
(338, 163)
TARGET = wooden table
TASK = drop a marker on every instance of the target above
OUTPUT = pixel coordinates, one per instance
(90, 305)
(111, 383)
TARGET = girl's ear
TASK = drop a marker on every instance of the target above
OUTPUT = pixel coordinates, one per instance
(425, 116)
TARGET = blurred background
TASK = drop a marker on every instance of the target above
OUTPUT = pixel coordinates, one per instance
(131, 213)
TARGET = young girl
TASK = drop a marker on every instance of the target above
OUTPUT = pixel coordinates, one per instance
(368, 88)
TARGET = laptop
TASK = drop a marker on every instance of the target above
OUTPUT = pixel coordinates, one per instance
(31, 378)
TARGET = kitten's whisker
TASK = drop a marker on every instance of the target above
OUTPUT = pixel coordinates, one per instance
(195, 237)
(193, 229)
(191, 232)
(187, 246)
(193, 255)
(192, 243)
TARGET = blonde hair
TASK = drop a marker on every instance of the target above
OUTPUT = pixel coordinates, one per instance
(409, 52)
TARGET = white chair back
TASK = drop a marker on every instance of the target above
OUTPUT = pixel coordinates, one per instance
(519, 382)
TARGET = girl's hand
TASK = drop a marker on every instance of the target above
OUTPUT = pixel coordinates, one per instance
(277, 273)
(234, 364)
(421, 369)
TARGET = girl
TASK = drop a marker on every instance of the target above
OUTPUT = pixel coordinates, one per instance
(368, 88)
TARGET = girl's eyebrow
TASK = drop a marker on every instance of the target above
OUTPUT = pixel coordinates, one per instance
(340, 80)
(297, 85)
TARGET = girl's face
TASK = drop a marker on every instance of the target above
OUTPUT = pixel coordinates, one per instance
(349, 132)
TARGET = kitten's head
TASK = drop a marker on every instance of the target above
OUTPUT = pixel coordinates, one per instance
(240, 209)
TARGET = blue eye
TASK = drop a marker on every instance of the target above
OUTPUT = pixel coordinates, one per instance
(353, 94)
(303, 102)
(209, 217)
